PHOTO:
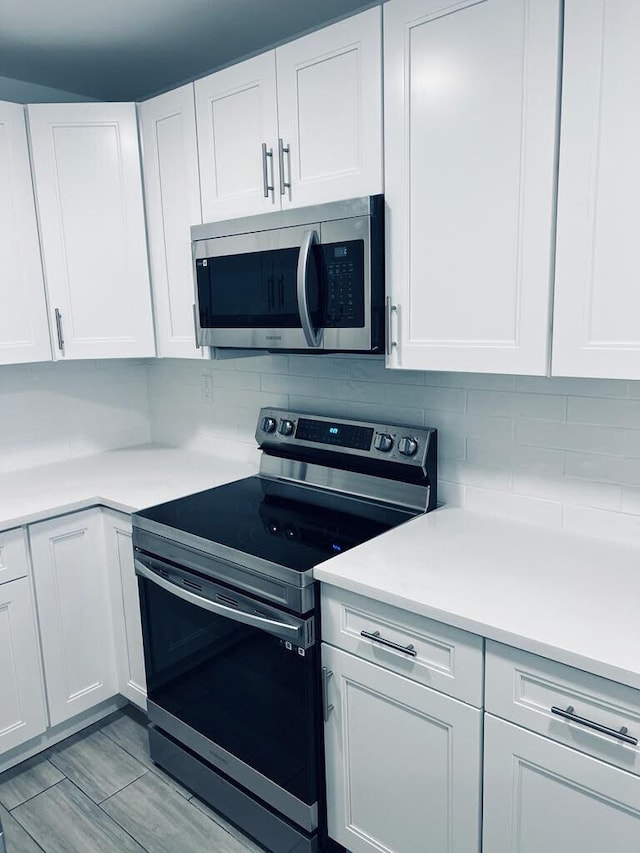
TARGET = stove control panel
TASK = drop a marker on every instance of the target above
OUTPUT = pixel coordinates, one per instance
(386, 442)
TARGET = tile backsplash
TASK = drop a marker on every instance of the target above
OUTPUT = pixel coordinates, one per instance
(54, 411)
(561, 452)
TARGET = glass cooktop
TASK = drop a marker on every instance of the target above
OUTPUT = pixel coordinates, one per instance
(287, 524)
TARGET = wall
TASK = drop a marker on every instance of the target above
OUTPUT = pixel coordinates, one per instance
(22, 92)
(561, 452)
(50, 412)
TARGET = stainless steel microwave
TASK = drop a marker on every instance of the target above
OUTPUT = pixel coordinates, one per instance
(310, 279)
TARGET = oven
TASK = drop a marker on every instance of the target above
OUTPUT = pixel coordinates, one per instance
(230, 612)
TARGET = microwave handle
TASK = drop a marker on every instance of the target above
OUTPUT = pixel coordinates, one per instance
(312, 335)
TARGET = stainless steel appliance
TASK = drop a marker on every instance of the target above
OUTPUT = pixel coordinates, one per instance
(308, 279)
(230, 612)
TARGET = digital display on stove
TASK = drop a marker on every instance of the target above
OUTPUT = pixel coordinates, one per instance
(342, 435)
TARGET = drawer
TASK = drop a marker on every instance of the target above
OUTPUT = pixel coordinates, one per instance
(523, 688)
(14, 558)
(447, 659)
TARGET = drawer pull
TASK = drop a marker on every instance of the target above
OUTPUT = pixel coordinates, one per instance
(326, 707)
(620, 734)
(408, 650)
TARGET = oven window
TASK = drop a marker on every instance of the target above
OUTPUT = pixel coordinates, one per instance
(239, 686)
(256, 290)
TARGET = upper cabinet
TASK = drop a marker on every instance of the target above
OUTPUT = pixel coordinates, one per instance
(471, 104)
(296, 126)
(172, 191)
(597, 298)
(88, 185)
(24, 331)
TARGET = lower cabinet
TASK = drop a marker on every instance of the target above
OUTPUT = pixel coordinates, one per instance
(126, 608)
(22, 708)
(403, 762)
(540, 795)
(74, 612)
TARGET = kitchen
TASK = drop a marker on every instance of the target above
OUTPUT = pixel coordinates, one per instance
(526, 578)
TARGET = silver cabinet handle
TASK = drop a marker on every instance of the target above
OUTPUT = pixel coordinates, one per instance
(59, 330)
(282, 150)
(326, 707)
(312, 336)
(195, 325)
(271, 625)
(389, 309)
(620, 734)
(266, 186)
(375, 636)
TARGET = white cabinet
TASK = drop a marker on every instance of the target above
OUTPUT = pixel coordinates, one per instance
(540, 795)
(296, 126)
(172, 192)
(471, 103)
(86, 169)
(74, 613)
(597, 298)
(24, 330)
(403, 762)
(22, 708)
(126, 608)
(330, 112)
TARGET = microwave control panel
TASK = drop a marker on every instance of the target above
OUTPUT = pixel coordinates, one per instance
(344, 265)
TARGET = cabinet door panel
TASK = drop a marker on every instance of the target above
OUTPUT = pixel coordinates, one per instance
(89, 194)
(330, 111)
(236, 113)
(24, 330)
(22, 711)
(540, 795)
(74, 612)
(172, 188)
(597, 298)
(470, 124)
(403, 762)
(126, 609)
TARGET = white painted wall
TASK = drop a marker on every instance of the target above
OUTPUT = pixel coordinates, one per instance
(562, 452)
(54, 411)
(21, 92)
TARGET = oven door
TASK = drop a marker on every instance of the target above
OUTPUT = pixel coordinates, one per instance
(235, 681)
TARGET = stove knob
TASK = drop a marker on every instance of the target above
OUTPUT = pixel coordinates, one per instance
(268, 424)
(286, 427)
(383, 442)
(408, 446)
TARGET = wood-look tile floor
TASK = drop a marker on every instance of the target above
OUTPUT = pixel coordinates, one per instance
(99, 792)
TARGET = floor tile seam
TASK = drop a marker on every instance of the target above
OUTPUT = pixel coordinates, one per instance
(128, 751)
(120, 790)
(24, 829)
(35, 796)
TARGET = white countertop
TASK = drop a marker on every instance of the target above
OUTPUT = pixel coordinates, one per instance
(572, 598)
(125, 480)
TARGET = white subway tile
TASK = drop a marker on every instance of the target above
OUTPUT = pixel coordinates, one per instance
(267, 363)
(517, 507)
(519, 457)
(451, 494)
(313, 365)
(472, 426)
(342, 389)
(568, 490)
(617, 526)
(314, 406)
(278, 383)
(631, 500)
(595, 410)
(595, 466)
(386, 414)
(373, 370)
(507, 404)
(488, 381)
(241, 379)
(564, 436)
(566, 386)
(475, 475)
(451, 445)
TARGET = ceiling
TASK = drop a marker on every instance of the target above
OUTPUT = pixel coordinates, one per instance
(128, 49)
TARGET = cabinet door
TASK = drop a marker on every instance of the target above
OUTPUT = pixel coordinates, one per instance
(471, 98)
(74, 613)
(126, 608)
(237, 113)
(540, 795)
(597, 298)
(330, 112)
(24, 330)
(22, 711)
(89, 194)
(403, 762)
(172, 191)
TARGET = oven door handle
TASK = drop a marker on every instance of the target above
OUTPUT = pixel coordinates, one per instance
(294, 632)
(312, 336)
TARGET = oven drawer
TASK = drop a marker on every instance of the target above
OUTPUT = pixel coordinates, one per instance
(14, 561)
(447, 659)
(523, 688)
